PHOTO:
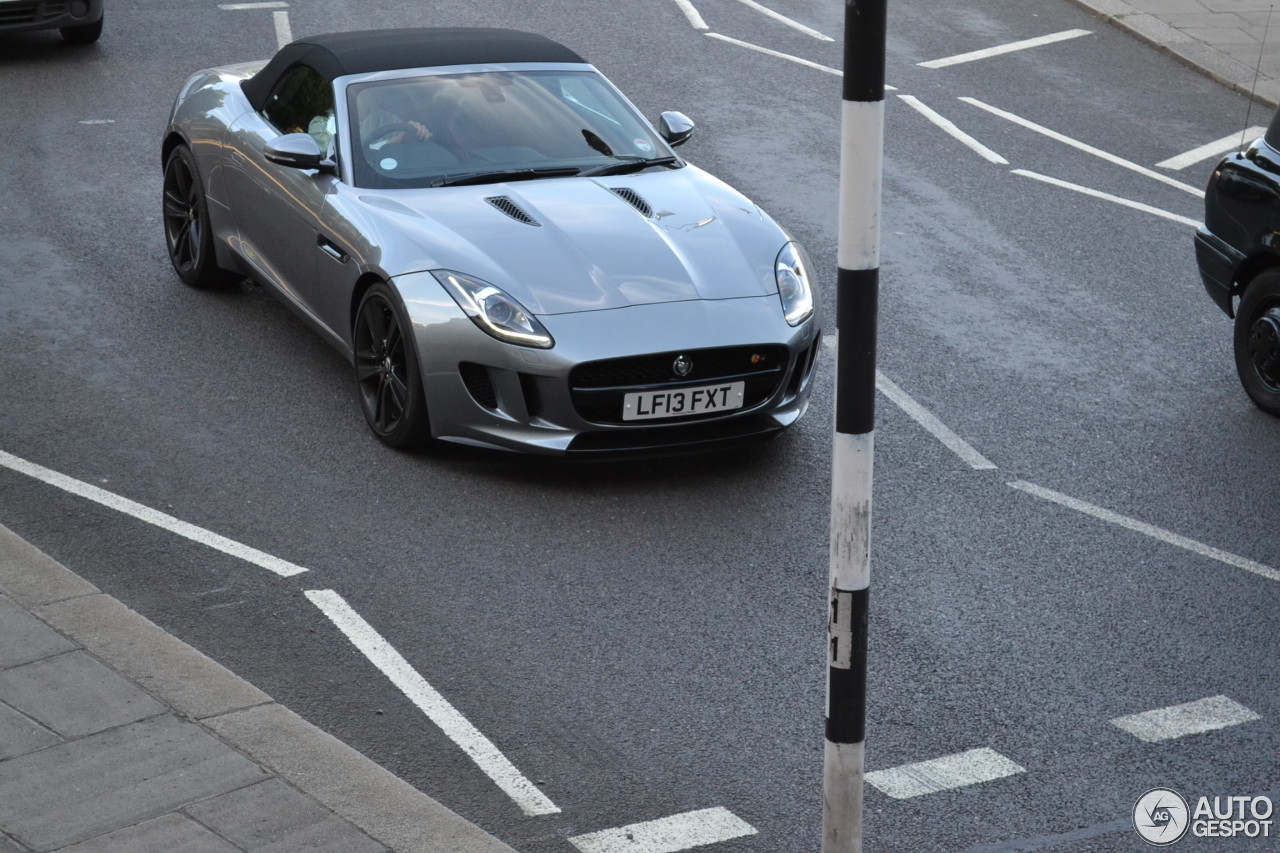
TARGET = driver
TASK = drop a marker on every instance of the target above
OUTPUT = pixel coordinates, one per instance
(379, 109)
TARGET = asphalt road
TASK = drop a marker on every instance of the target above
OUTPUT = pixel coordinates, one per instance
(646, 640)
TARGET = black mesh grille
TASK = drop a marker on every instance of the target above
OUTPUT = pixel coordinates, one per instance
(478, 383)
(32, 11)
(510, 208)
(634, 199)
(598, 387)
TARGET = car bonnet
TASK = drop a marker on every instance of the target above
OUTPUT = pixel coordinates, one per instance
(563, 245)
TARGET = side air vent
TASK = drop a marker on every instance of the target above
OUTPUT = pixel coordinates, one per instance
(510, 208)
(634, 199)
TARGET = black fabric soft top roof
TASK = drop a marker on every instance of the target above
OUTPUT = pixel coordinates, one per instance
(338, 54)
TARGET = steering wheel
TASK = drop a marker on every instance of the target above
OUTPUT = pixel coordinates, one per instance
(389, 130)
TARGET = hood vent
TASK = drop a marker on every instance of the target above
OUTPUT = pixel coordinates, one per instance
(510, 208)
(634, 199)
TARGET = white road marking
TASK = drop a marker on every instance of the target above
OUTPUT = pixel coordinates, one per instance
(758, 49)
(765, 10)
(1004, 48)
(98, 121)
(430, 702)
(238, 7)
(1192, 718)
(1088, 149)
(1136, 205)
(949, 126)
(1148, 530)
(935, 427)
(692, 14)
(1212, 150)
(805, 62)
(668, 834)
(150, 516)
(284, 33)
(944, 774)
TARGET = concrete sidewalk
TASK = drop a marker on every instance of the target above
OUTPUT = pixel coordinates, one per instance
(1221, 38)
(116, 737)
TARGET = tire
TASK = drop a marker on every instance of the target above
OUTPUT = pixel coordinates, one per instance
(82, 34)
(188, 235)
(1257, 341)
(388, 379)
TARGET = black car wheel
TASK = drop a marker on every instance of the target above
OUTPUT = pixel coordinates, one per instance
(186, 223)
(387, 374)
(1257, 341)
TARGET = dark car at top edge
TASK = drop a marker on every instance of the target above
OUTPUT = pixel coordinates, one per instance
(1238, 252)
(79, 21)
(507, 252)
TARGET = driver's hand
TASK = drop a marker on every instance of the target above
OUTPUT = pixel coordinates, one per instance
(423, 133)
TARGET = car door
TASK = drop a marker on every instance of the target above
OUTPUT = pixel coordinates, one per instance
(277, 209)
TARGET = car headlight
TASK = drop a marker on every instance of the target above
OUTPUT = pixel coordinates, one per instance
(494, 311)
(792, 272)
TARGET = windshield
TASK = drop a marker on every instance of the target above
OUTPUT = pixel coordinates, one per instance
(457, 128)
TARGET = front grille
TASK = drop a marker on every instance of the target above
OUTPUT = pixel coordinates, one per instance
(598, 387)
(32, 11)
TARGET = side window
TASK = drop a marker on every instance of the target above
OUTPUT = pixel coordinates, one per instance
(1273, 133)
(302, 102)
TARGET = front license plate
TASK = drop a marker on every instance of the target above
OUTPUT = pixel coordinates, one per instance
(685, 401)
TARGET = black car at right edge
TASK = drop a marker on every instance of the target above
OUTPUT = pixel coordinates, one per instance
(1238, 251)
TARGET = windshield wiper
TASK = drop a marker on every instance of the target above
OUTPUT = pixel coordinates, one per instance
(629, 164)
(507, 175)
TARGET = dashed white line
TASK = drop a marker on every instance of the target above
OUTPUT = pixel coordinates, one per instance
(943, 774)
(1212, 150)
(777, 16)
(768, 52)
(668, 834)
(1012, 47)
(150, 516)
(284, 33)
(1191, 718)
(456, 727)
(950, 127)
(1088, 149)
(935, 427)
(1115, 199)
(1148, 530)
(240, 7)
(692, 14)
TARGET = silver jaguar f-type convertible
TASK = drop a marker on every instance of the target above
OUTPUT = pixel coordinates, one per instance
(508, 253)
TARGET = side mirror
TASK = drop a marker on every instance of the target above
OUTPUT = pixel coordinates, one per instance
(675, 128)
(297, 151)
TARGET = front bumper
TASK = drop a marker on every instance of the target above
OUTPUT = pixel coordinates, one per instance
(486, 393)
(25, 15)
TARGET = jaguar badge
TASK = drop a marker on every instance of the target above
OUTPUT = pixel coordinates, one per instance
(682, 366)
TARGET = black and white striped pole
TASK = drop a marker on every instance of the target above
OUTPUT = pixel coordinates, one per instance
(857, 297)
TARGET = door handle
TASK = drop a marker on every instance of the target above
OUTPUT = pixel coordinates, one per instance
(331, 249)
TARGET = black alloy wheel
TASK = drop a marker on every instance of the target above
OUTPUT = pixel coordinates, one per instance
(186, 223)
(387, 375)
(1257, 341)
